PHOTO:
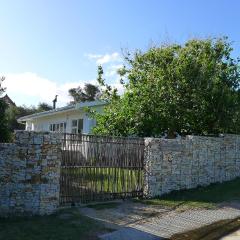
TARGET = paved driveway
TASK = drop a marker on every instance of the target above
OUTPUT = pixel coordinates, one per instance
(233, 236)
(143, 222)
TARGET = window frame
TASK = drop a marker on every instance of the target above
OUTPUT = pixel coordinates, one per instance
(75, 129)
(56, 127)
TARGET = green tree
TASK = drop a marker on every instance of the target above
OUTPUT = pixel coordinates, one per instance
(42, 106)
(15, 112)
(5, 135)
(189, 89)
(90, 92)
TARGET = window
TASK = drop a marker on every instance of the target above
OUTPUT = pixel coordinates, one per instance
(58, 127)
(74, 123)
(77, 126)
(63, 127)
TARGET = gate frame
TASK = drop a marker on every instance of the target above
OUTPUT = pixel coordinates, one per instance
(73, 145)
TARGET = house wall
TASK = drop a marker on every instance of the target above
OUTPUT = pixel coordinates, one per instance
(43, 123)
(172, 164)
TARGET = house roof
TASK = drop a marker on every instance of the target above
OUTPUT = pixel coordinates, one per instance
(62, 109)
(8, 100)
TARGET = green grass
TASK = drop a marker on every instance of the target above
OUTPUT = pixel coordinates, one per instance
(201, 197)
(109, 180)
(211, 232)
(65, 225)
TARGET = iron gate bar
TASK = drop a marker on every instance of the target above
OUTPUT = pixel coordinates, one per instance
(97, 168)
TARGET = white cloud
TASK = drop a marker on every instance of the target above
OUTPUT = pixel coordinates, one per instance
(112, 70)
(93, 56)
(104, 59)
(114, 57)
(62, 90)
(29, 88)
(119, 87)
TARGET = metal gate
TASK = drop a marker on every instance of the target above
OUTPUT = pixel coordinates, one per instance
(97, 168)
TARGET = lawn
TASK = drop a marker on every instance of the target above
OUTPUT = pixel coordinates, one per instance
(201, 197)
(64, 225)
(69, 224)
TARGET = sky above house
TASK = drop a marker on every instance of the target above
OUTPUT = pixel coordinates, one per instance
(49, 46)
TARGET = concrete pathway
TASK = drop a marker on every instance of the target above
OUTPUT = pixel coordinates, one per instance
(127, 233)
(145, 222)
(233, 236)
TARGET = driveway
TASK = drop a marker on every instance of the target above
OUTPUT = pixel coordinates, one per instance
(139, 221)
(233, 236)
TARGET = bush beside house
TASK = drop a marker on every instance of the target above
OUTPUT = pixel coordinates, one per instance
(189, 89)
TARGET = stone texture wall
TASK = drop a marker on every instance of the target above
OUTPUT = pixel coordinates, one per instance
(29, 174)
(30, 168)
(172, 164)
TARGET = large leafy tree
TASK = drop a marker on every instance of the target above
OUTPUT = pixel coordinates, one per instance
(189, 89)
(89, 92)
(42, 106)
(4, 130)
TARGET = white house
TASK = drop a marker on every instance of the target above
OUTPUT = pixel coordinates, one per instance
(69, 119)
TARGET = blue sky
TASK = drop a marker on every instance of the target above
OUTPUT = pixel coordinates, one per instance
(48, 46)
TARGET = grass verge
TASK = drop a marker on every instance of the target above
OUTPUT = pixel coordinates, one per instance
(64, 225)
(201, 197)
(211, 232)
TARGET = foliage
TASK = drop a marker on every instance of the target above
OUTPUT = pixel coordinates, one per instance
(5, 135)
(2, 89)
(108, 93)
(15, 112)
(189, 89)
(90, 92)
(42, 106)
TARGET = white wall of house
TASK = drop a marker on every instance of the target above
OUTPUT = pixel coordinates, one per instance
(42, 123)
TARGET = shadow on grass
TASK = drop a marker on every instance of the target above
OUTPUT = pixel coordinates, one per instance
(64, 225)
(101, 206)
(202, 197)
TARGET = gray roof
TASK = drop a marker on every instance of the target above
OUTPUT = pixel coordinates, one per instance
(63, 109)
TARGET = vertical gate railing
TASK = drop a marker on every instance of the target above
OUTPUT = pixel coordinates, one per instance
(96, 168)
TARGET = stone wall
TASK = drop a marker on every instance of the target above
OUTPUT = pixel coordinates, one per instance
(30, 168)
(29, 174)
(172, 164)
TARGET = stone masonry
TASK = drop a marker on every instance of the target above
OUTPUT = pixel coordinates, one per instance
(29, 174)
(30, 168)
(174, 164)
